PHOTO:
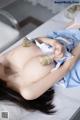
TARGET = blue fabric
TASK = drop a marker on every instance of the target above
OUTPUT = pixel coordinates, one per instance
(72, 79)
(72, 35)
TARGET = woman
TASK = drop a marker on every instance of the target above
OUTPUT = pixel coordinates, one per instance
(25, 81)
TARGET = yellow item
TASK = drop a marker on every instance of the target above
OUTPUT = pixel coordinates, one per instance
(46, 60)
(26, 42)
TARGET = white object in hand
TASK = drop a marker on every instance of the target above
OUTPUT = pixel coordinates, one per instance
(46, 49)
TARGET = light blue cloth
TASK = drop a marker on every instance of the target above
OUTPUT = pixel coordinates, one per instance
(72, 35)
(72, 79)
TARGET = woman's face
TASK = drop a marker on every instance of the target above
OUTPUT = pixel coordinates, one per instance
(59, 50)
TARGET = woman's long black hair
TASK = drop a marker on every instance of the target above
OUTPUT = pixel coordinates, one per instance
(43, 103)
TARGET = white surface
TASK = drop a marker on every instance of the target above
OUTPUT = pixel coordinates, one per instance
(67, 100)
(46, 29)
(57, 22)
(8, 35)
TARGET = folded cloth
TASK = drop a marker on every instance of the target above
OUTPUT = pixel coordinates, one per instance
(72, 79)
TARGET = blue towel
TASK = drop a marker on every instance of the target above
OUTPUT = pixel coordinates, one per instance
(72, 79)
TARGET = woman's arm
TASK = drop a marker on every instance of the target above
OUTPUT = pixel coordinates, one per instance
(41, 86)
(73, 25)
(47, 40)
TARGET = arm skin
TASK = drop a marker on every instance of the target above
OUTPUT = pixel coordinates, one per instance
(47, 40)
(73, 25)
(42, 85)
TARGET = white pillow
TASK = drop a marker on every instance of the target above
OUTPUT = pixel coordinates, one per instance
(8, 35)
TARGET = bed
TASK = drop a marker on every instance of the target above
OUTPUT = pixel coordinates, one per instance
(67, 100)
